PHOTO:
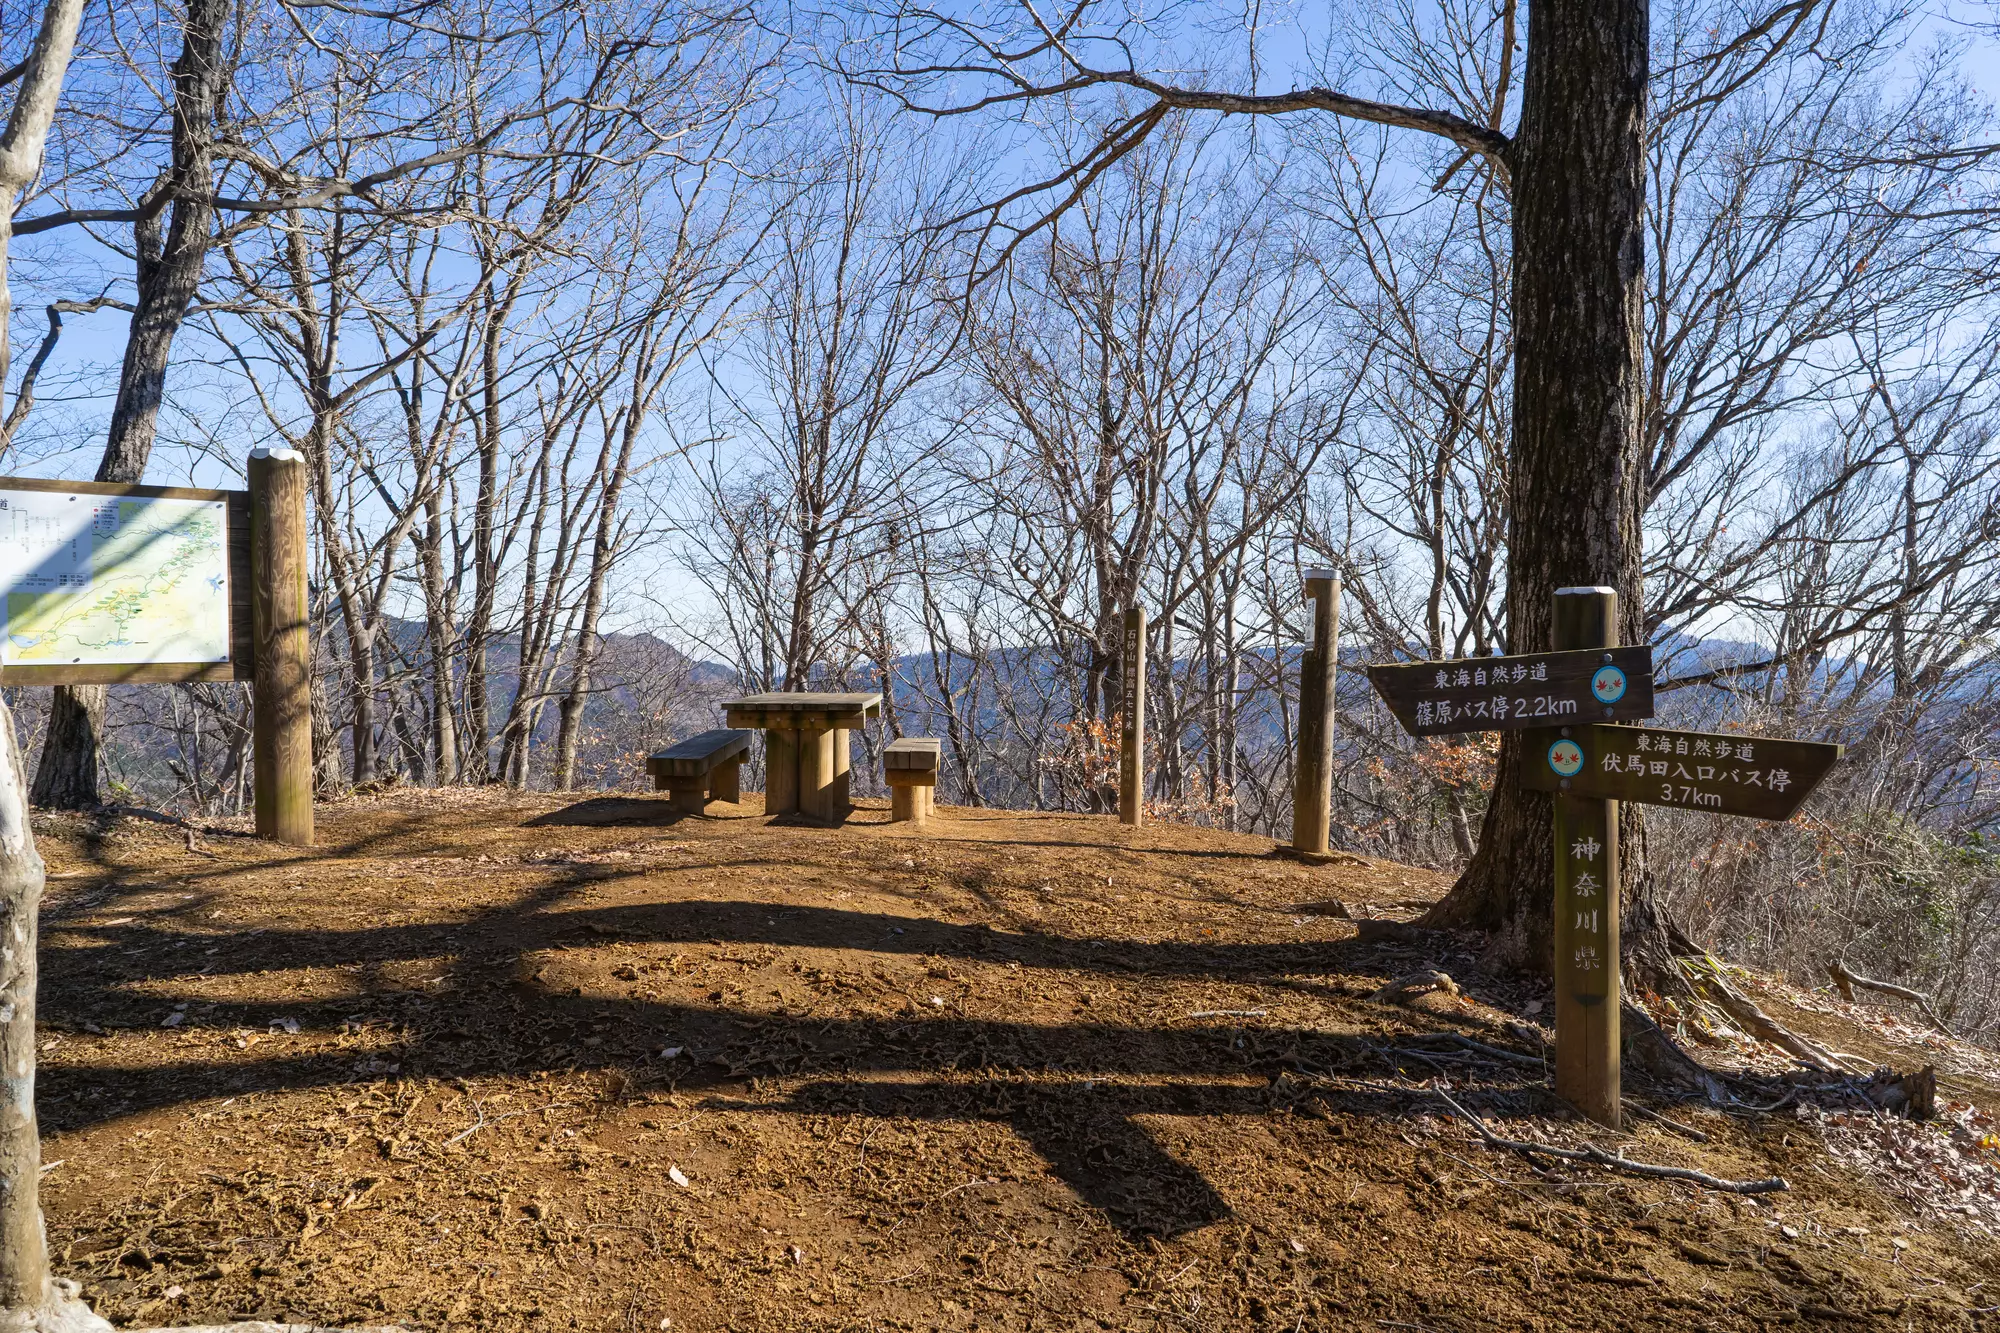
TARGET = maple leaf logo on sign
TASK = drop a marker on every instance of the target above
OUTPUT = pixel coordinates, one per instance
(1566, 758)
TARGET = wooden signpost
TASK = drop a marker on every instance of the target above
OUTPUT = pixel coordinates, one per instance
(1571, 704)
(1587, 879)
(1515, 693)
(1312, 787)
(1723, 773)
(1132, 702)
(89, 558)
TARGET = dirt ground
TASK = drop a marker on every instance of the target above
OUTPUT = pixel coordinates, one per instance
(495, 1062)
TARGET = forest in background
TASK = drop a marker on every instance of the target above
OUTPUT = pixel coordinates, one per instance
(646, 353)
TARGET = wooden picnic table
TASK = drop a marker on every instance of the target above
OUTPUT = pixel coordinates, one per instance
(805, 748)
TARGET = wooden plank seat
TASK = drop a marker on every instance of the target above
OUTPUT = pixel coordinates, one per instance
(910, 767)
(703, 768)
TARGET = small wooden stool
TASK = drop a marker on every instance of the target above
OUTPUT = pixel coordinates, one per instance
(910, 767)
(702, 768)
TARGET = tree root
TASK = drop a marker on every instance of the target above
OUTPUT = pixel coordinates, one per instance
(1648, 1113)
(1847, 980)
(1596, 1156)
(1759, 1024)
(1649, 1047)
(62, 1312)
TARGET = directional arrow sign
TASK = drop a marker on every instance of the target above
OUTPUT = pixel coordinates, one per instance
(1515, 693)
(1696, 770)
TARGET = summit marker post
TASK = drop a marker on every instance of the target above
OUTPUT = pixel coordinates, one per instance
(1132, 738)
(1312, 787)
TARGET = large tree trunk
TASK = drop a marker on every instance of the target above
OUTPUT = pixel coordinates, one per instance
(66, 777)
(29, 1299)
(169, 271)
(1575, 474)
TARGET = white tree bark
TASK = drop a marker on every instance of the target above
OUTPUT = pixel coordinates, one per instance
(28, 1299)
(27, 132)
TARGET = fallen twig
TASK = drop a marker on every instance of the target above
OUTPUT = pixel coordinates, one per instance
(1227, 1013)
(483, 1121)
(1675, 1125)
(1414, 983)
(1847, 980)
(1596, 1156)
(1497, 1052)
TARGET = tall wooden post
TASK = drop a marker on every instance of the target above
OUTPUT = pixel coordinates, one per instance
(1586, 850)
(1312, 784)
(1132, 701)
(282, 691)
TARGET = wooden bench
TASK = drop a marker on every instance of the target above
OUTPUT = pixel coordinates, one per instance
(702, 768)
(910, 767)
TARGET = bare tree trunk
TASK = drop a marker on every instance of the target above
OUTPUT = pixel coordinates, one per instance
(1576, 480)
(66, 777)
(440, 628)
(28, 1299)
(603, 551)
(477, 765)
(169, 272)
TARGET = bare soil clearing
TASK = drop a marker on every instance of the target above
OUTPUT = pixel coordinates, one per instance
(498, 1062)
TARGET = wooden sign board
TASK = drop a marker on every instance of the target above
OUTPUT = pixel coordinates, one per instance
(48, 547)
(1692, 770)
(1517, 693)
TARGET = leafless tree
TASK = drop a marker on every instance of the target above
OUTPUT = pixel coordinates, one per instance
(796, 527)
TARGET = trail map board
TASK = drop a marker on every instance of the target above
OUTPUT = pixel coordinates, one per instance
(104, 583)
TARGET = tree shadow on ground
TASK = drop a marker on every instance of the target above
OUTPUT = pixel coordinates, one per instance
(1074, 1090)
(610, 811)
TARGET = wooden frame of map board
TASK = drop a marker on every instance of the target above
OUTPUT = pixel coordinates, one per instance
(242, 653)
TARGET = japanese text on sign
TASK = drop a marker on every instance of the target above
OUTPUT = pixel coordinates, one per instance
(1515, 693)
(1586, 900)
(1742, 775)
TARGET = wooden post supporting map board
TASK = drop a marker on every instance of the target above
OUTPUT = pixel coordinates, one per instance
(1586, 910)
(1312, 786)
(1132, 701)
(282, 690)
